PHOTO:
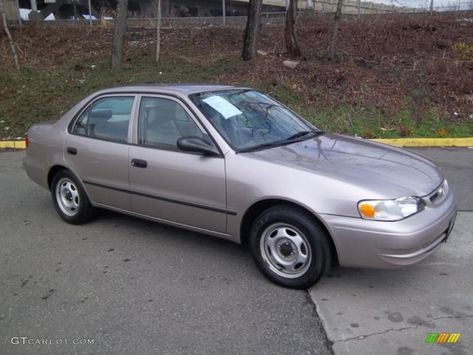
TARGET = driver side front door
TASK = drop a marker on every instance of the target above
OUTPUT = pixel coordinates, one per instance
(184, 188)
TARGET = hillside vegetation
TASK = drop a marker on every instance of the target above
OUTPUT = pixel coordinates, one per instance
(395, 76)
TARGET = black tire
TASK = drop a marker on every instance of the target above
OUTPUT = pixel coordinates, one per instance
(302, 222)
(82, 211)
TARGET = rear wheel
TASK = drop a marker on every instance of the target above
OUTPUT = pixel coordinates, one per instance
(289, 247)
(70, 199)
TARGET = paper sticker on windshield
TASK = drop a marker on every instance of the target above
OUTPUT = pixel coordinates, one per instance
(222, 106)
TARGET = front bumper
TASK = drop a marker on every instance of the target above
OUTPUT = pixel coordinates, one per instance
(377, 244)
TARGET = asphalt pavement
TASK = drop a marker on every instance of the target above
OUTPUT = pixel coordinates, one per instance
(124, 285)
(457, 165)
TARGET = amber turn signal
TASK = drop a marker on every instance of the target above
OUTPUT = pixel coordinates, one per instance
(366, 210)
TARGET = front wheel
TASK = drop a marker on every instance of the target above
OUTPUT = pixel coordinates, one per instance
(70, 199)
(289, 247)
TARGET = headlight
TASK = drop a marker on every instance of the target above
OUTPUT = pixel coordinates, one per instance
(390, 210)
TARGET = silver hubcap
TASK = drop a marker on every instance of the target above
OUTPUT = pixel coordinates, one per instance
(286, 250)
(67, 197)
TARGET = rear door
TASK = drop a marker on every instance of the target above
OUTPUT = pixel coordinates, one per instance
(97, 149)
(169, 184)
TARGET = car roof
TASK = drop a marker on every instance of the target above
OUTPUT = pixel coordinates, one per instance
(176, 89)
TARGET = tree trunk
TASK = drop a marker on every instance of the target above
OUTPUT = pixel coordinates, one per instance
(252, 30)
(333, 40)
(7, 31)
(158, 33)
(120, 29)
(292, 46)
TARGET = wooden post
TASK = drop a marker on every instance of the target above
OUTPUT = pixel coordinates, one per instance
(223, 13)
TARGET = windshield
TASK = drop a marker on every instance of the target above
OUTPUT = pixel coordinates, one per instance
(249, 120)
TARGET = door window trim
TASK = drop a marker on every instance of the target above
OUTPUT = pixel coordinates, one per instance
(78, 115)
(134, 117)
(179, 101)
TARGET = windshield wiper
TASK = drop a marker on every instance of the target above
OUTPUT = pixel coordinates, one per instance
(292, 139)
(305, 134)
(261, 146)
(298, 135)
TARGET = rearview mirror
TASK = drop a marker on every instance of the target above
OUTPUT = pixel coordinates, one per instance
(196, 145)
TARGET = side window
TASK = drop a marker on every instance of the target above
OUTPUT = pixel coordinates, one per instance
(107, 118)
(162, 122)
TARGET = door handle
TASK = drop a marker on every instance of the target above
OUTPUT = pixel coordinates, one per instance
(71, 150)
(138, 163)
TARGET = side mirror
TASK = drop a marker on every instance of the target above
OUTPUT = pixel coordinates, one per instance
(196, 145)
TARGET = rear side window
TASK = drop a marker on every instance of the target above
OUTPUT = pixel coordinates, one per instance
(107, 118)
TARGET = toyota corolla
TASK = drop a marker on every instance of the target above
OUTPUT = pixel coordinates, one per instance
(235, 163)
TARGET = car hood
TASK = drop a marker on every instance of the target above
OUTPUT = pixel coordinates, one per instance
(386, 171)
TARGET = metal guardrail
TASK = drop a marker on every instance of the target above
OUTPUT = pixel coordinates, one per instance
(236, 21)
(133, 22)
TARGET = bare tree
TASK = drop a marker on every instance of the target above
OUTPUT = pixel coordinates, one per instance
(158, 32)
(7, 31)
(336, 21)
(252, 29)
(292, 46)
(120, 29)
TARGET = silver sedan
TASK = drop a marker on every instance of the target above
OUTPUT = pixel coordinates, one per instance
(234, 163)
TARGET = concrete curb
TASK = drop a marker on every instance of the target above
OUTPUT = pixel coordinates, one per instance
(427, 142)
(17, 144)
(398, 142)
